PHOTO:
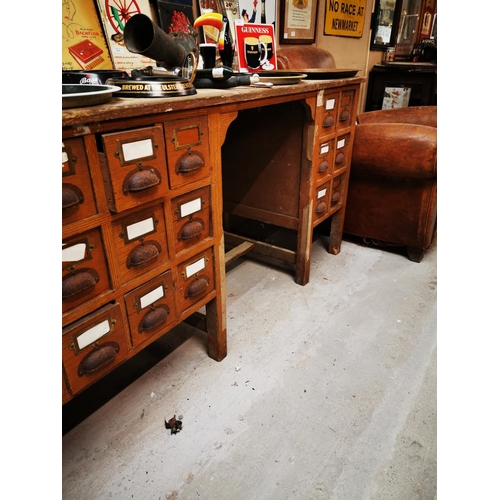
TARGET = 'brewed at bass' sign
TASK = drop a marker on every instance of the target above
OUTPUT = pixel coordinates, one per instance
(345, 18)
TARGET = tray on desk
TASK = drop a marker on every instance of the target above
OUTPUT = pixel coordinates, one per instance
(328, 74)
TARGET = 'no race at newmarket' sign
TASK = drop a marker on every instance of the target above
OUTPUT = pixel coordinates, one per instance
(345, 18)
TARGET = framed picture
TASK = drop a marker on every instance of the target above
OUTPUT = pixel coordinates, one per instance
(298, 21)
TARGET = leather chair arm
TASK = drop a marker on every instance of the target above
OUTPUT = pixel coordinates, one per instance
(395, 150)
(421, 115)
(304, 58)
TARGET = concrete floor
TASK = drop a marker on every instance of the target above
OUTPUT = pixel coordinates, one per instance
(328, 392)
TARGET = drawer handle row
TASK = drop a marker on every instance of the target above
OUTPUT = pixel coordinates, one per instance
(143, 254)
(154, 318)
(78, 282)
(140, 180)
(71, 196)
(98, 358)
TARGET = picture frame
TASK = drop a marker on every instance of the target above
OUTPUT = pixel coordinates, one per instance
(298, 21)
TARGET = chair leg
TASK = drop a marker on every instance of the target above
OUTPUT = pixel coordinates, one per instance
(415, 254)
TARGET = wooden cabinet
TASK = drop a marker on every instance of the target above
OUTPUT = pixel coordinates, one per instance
(142, 210)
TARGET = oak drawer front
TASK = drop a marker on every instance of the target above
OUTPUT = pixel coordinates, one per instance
(140, 242)
(195, 279)
(346, 109)
(93, 347)
(85, 272)
(324, 160)
(192, 219)
(321, 202)
(327, 113)
(78, 200)
(338, 191)
(342, 151)
(134, 167)
(151, 308)
(188, 152)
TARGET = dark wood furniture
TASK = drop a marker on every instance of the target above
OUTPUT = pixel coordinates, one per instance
(143, 241)
(420, 77)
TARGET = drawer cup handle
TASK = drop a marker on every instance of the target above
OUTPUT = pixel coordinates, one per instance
(320, 207)
(189, 162)
(323, 167)
(191, 229)
(328, 121)
(71, 196)
(143, 254)
(344, 116)
(340, 158)
(98, 358)
(336, 197)
(140, 180)
(197, 286)
(78, 282)
(154, 318)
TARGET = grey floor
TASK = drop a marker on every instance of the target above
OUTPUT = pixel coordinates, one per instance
(328, 392)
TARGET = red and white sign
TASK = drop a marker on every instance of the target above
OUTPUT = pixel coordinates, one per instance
(256, 47)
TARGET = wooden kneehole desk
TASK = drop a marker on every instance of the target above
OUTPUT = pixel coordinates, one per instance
(160, 194)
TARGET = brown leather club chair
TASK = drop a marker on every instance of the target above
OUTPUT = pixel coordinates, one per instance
(304, 58)
(392, 189)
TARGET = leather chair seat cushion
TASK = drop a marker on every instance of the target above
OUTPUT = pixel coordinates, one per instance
(418, 115)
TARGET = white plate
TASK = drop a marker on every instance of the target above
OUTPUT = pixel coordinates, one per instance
(78, 95)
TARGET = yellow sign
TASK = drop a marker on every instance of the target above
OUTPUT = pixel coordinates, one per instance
(345, 18)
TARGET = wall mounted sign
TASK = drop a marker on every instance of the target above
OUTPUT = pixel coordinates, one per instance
(345, 18)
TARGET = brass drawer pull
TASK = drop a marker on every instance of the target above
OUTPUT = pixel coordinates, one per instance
(340, 158)
(143, 254)
(140, 180)
(320, 207)
(71, 196)
(189, 162)
(98, 358)
(191, 229)
(323, 167)
(197, 286)
(154, 318)
(328, 121)
(78, 282)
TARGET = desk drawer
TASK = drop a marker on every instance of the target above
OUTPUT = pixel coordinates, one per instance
(195, 279)
(192, 218)
(151, 308)
(78, 200)
(324, 161)
(93, 347)
(346, 109)
(338, 191)
(321, 202)
(342, 152)
(134, 167)
(140, 242)
(327, 113)
(84, 269)
(188, 152)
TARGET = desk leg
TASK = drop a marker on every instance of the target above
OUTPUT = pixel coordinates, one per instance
(304, 243)
(336, 232)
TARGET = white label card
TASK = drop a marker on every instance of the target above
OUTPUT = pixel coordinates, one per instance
(74, 253)
(321, 193)
(137, 149)
(341, 144)
(152, 296)
(190, 207)
(330, 104)
(64, 157)
(93, 334)
(195, 267)
(324, 148)
(140, 228)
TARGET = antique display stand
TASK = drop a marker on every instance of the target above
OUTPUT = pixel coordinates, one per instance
(143, 205)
